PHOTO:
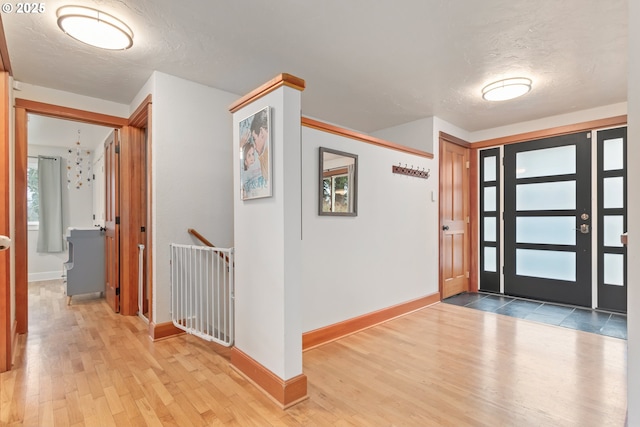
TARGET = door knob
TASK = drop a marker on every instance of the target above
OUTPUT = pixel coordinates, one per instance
(5, 243)
(445, 227)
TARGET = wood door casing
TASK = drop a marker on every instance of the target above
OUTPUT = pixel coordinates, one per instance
(6, 333)
(454, 219)
(22, 108)
(141, 120)
(112, 213)
(20, 250)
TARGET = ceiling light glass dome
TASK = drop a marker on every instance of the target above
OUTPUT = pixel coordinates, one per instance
(503, 90)
(95, 28)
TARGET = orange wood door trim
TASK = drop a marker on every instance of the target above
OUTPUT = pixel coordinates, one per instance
(21, 275)
(141, 120)
(149, 191)
(454, 140)
(22, 108)
(140, 117)
(474, 221)
(57, 111)
(6, 331)
(320, 336)
(283, 79)
(5, 61)
(284, 393)
(556, 131)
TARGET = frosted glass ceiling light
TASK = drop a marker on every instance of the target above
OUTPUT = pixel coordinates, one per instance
(506, 89)
(95, 28)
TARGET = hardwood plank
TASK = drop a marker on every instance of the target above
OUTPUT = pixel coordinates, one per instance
(442, 365)
(61, 417)
(113, 399)
(73, 408)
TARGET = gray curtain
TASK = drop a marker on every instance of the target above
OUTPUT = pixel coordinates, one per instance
(50, 236)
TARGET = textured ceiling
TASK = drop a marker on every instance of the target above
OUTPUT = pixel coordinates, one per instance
(368, 64)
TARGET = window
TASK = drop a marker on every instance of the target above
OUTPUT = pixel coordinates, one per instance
(33, 197)
(336, 193)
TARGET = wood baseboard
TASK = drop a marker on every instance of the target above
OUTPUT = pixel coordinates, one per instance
(163, 330)
(320, 336)
(284, 393)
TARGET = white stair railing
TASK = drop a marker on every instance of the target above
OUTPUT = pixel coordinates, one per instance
(202, 292)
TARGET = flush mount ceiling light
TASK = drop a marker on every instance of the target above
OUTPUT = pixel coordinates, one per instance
(95, 28)
(506, 89)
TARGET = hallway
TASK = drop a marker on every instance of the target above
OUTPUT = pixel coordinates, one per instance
(82, 365)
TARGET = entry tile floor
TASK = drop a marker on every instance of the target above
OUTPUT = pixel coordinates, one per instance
(583, 319)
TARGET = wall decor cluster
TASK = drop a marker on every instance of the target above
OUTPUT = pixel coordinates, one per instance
(78, 166)
(411, 171)
(255, 155)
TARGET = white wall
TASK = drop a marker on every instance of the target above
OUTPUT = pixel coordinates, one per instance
(416, 134)
(71, 100)
(550, 122)
(387, 254)
(99, 187)
(191, 172)
(633, 254)
(77, 211)
(268, 246)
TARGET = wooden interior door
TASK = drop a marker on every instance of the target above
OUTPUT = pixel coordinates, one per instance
(454, 219)
(132, 224)
(112, 220)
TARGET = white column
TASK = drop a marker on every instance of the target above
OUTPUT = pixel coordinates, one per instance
(267, 241)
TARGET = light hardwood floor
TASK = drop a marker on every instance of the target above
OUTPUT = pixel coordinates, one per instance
(82, 365)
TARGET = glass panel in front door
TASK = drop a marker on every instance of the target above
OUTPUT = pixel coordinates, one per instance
(612, 215)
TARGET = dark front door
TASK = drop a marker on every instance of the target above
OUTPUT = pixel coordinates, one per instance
(547, 219)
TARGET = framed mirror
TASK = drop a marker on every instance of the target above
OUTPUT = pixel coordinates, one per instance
(338, 183)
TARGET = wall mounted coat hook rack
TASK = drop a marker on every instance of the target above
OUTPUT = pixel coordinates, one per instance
(417, 172)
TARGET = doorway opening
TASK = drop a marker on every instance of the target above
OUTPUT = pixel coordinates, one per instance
(551, 214)
(137, 137)
(65, 195)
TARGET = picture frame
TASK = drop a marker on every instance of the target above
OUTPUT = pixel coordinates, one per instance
(255, 155)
